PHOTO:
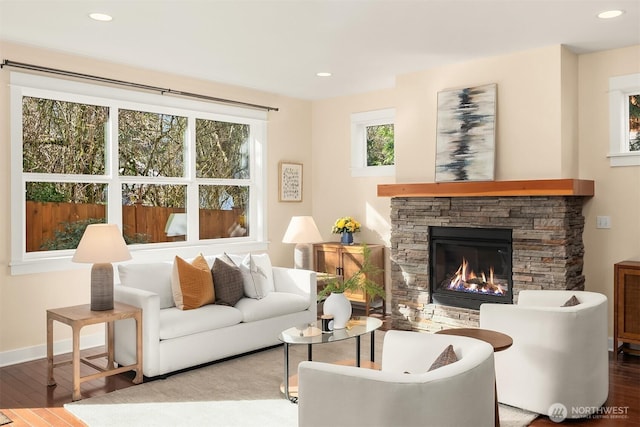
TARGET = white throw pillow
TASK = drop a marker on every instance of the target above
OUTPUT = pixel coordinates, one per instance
(152, 276)
(257, 274)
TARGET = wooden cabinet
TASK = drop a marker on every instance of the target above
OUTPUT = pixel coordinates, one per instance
(626, 327)
(345, 260)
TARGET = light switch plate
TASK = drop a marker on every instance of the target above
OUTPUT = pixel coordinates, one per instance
(603, 222)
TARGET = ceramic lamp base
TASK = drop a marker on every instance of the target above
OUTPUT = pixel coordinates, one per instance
(102, 287)
(303, 256)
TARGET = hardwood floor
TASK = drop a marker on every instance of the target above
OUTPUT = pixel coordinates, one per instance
(624, 397)
(28, 401)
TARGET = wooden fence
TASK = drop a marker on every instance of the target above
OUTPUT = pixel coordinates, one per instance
(43, 219)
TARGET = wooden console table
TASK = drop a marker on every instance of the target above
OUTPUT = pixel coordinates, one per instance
(338, 260)
(626, 303)
(81, 315)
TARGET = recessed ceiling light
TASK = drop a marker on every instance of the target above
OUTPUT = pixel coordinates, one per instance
(608, 14)
(323, 74)
(100, 17)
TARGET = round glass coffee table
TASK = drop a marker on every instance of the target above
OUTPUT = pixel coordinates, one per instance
(311, 334)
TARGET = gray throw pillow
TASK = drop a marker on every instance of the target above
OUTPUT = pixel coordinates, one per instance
(571, 302)
(227, 281)
(447, 357)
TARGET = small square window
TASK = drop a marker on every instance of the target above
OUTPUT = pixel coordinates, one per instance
(372, 143)
(624, 120)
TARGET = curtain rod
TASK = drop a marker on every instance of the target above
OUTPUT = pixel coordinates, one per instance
(163, 91)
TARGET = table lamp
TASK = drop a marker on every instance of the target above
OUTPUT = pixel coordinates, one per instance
(101, 244)
(302, 231)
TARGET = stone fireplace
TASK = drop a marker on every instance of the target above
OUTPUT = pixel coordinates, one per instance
(543, 218)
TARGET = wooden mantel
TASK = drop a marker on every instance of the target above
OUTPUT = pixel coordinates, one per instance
(540, 187)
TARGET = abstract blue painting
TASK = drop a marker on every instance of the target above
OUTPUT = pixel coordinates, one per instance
(465, 143)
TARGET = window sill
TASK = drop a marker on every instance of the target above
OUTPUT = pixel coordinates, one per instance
(63, 263)
(624, 159)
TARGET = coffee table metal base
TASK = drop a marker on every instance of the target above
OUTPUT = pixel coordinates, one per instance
(355, 329)
(287, 385)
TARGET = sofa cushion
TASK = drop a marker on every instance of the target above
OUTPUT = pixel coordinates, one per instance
(227, 281)
(176, 323)
(272, 305)
(192, 283)
(153, 277)
(257, 274)
(445, 358)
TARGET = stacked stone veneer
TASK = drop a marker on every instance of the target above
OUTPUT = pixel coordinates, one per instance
(547, 249)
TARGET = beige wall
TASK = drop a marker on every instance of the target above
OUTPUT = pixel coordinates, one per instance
(335, 192)
(24, 299)
(617, 192)
(529, 114)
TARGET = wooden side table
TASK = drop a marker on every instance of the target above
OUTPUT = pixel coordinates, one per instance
(81, 315)
(498, 341)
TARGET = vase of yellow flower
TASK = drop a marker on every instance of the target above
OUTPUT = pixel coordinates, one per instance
(346, 238)
(346, 226)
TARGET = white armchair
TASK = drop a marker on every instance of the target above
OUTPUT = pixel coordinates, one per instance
(559, 354)
(459, 394)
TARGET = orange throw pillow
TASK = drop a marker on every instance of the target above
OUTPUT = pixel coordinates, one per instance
(192, 283)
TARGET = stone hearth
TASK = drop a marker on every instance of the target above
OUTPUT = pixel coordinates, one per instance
(547, 249)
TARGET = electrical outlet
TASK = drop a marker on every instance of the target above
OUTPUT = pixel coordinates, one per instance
(603, 222)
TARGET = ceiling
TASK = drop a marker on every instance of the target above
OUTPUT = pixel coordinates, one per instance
(279, 46)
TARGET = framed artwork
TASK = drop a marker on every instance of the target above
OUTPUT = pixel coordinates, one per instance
(290, 182)
(465, 142)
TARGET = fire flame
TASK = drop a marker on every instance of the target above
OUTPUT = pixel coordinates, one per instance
(466, 280)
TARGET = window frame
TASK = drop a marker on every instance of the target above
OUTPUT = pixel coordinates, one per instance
(359, 123)
(620, 88)
(22, 84)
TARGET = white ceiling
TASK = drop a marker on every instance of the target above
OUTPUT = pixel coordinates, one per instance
(278, 46)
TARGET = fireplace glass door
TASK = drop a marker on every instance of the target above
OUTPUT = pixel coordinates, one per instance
(470, 266)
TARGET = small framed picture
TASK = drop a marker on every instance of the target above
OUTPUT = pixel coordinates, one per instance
(290, 182)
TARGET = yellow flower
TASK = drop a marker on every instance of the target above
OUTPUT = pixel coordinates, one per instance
(345, 224)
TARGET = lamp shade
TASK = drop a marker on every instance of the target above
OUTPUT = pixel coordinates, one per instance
(302, 229)
(101, 243)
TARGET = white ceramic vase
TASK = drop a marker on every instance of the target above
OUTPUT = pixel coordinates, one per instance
(339, 306)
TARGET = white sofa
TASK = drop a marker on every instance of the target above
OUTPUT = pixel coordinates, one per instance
(559, 354)
(175, 339)
(459, 394)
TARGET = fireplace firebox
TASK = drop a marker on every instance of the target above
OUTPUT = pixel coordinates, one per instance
(470, 266)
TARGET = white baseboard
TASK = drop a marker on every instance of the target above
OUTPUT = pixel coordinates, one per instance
(28, 354)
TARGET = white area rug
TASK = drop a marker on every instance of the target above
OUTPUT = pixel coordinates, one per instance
(240, 392)
(238, 413)
(515, 417)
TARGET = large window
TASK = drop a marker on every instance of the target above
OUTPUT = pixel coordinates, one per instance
(172, 173)
(372, 143)
(624, 120)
